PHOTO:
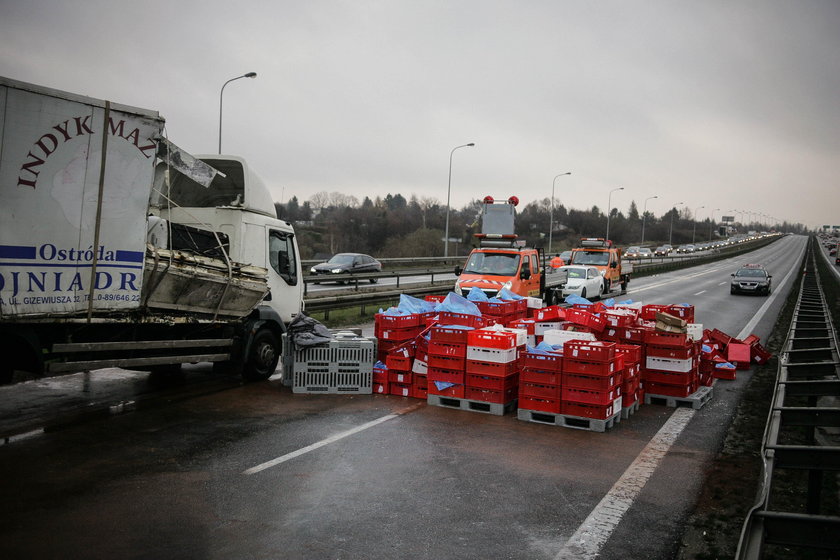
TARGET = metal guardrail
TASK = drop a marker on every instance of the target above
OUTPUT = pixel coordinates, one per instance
(807, 385)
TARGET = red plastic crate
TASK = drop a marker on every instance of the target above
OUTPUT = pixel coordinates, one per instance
(421, 381)
(661, 338)
(547, 362)
(399, 335)
(591, 351)
(419, 392)
(670, 390)
(585, 410)
(447, 375)
(540, 390)
(760, 355)
(498, 369)
(485, 338)
(660, 377)
(453, 334)
(491, 381)
(447, 362)
(717, 336)
(496, 308)
(618, 319)
(464, 319)
(455, 391)
(398, 362)
(724, 373)
(632, 353)
(630, 387)
(528, 324)
(540, 405)
(634, 335)
(592, 368)
(381, 388)
(489, 395)
(401, 389)
(632, 370)
(380, 375)
(550, 313)
(586, 319)
(399, 377)
(451, 349)
(649, 311)
(737, 352)
(540, 377)
(671, 352)
(384, 321)
(591, 382)
(589, 396)
(684, 312)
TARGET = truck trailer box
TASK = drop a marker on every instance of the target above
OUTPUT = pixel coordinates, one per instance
(75, 178)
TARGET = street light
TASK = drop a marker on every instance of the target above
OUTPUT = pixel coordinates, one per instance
(609, 210)
(671, 231)
(551, 211)
(711, 221)
(644, 212)
(448, 190)
(221, 93)
(695, 223)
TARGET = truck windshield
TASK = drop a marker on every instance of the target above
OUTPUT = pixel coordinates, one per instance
(223, 191)
(496, 264)
(594, 258)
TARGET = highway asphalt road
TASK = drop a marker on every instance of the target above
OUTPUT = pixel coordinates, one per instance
(253, 471)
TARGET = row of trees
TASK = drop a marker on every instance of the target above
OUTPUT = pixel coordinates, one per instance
(392, 226)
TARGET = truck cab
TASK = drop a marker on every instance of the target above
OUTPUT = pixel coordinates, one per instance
(602, 254)
(491, 269)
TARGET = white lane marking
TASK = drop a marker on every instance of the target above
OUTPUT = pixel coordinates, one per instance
(593, 533)
(700, 292)
(319, 444)
(23, 436)
(329, 440)
(721, 283)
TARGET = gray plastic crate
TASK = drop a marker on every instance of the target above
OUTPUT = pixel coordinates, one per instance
(343, 365)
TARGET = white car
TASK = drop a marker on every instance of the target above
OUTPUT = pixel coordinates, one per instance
(584, 281)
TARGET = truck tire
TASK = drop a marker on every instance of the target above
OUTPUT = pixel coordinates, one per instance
(262, 356)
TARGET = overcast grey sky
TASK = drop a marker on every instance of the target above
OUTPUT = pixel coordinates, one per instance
(723, 104)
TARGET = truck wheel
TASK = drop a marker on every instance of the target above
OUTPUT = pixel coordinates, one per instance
(624, 287)
(262, 357)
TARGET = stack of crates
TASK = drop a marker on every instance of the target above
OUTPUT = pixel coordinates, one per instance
(447, 356)
(631, 378)
(672, 364)
(540, 382)
(591, 379)
(394, 331)
(342, 365)
(420, 368)
(400, 376)
(492, 365)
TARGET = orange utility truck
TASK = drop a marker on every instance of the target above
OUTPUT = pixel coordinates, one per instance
(503, 261)
(601, 253)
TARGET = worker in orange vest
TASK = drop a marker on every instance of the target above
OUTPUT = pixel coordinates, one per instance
(557, 262)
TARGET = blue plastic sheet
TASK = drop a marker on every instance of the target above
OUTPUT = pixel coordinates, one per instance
(412, 304)
(453, 303)
(725, 365)
(575, 299)
(476, 294)
(441, 385)
(609, 302)
(507, 295)
(380, 365)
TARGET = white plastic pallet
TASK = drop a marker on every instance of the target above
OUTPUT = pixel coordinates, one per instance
(470, 405)
(695, 400)
(566, 421)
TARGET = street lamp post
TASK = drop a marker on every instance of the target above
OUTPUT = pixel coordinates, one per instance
(551, 210)
(671, 231)
(448, 191)
(221, 94)
(694, 233)
(644, 212)
(609, 210)
(711, 222)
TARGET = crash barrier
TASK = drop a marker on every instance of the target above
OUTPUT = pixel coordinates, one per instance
(801, 438)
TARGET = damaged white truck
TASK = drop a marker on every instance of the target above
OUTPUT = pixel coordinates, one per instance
(117, 249)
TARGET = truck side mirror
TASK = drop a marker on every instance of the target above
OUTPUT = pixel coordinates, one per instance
(458, 270)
